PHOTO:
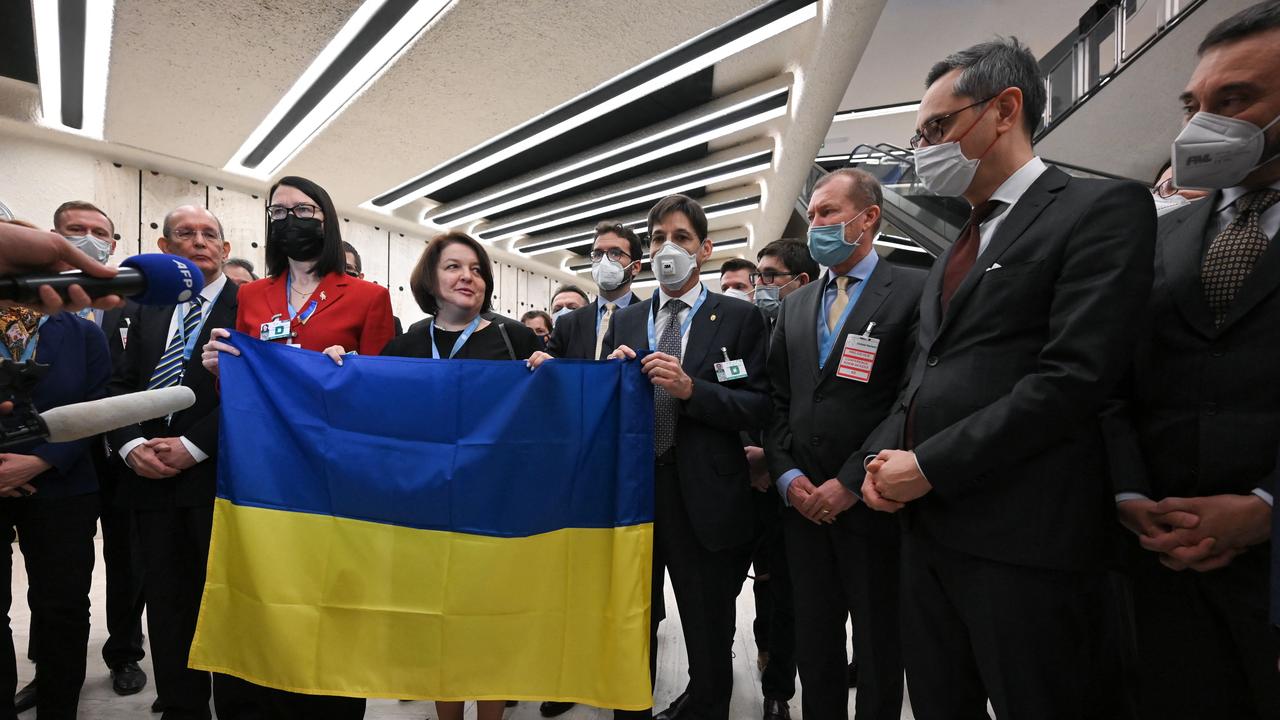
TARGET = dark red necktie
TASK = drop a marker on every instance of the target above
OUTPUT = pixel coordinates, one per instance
(965, 252)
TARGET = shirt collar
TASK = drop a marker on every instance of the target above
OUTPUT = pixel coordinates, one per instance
(689, 298)
(212, 290)
(1230, 195)
(863, 269)
(1017, 184)
(618, 304)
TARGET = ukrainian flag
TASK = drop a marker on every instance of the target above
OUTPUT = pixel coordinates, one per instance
(431, 529)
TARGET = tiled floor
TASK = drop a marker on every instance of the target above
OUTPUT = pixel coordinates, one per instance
(98, 702)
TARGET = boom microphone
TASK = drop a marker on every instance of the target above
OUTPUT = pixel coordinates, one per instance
(150, 279)
(82, 420)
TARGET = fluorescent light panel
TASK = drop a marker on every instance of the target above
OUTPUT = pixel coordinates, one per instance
(698, 177)
(900, 246)
(707, 49)
(646, 149)
(876, 112)
(714, 211)
(63, 89)
(274, 142)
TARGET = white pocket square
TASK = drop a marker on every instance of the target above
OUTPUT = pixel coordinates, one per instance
(994, 266)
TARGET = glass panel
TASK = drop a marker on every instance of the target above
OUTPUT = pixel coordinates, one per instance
(1060, 94)
(1102, 48)
(1140, 24)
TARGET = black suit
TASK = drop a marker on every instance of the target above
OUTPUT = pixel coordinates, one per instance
(575, 333)
(1002, 559)
(704, 512)
(1201, 416)
(851, 565)
(120, 551)
(174, 515)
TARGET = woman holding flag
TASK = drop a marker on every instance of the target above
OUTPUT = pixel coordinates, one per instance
(308, 301)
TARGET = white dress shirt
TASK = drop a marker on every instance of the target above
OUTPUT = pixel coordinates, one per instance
(1009, 193)
(210, 294)
(664, 313)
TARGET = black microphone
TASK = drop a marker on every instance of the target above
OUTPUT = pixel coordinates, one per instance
(150, 279)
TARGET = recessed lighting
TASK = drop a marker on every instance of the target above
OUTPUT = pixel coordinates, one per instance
(73, 96)
(378, 32)
(755, 110)
(721, 171)
(682, 61)
(881, 111)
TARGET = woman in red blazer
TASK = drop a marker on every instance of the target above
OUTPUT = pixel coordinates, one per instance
(306, 300)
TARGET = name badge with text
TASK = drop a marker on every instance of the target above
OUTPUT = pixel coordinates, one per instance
(858, 357)
(730, 369)
(276, 329)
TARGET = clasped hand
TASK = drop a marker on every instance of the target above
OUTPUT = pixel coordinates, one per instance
(1198, 533)
(893, 479)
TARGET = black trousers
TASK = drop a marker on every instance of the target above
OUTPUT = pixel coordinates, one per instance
(175, 550)
(1205, 646)
(836, 572)
(56, 538)
(706, 584)
(235, 699)
(121, 554)
(774, 625)
(975, 629)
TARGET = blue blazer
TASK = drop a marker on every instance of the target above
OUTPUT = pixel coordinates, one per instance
(79, 367)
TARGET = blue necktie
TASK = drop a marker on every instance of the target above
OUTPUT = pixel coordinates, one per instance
(169, 370)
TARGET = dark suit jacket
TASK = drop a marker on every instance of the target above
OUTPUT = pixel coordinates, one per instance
(709, 458)
(148, 338)
(1199, 414)
(108, 464)
(820, 421)
(1008, 387)
(350, 312)
(575, 334)
(76, 353)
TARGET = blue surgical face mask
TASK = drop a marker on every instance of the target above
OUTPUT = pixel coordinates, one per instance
(827, 244)
(555, 317)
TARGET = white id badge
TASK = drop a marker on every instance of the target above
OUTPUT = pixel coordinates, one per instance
(275, 330)
(858, 358)
(731, 370)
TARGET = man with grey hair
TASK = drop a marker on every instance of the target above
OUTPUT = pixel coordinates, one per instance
(995, 451)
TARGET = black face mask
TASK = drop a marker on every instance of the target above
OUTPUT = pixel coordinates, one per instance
(302, 239)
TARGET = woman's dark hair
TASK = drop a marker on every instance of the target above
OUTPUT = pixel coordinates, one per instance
(423, 278)
(331, 259)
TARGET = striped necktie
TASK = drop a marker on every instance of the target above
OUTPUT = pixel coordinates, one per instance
(169, 370)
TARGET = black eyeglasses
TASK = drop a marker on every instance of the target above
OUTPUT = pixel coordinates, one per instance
(767, 276)
(1166, 189)
(302, 211)
(614, 254)
(933, 131)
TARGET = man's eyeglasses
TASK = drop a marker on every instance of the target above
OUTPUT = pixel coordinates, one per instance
(614, 254)
(189, 234)
(767, 276)
(1166, 189)
(934, 130)
(302, 211)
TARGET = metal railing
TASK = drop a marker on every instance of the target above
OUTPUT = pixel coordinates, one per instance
(1089, 58)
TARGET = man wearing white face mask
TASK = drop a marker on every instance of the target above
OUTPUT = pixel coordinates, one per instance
(615, 260)
(708, 373)
(994, 451)
(1195, 434)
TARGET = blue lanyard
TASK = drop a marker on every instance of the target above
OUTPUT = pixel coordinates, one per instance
(826, 337)
(462, 339)
(684, 326)
(32, 341)
(189, 343)
(288, 299)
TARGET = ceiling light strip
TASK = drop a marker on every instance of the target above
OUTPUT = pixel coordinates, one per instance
(750, 112)
(680, 62)
(585, 267)
(881, 111)
(578, 241)
(375, 36)
(697, 177)
(73, 52)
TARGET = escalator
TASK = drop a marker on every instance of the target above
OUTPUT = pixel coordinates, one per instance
(917, 225)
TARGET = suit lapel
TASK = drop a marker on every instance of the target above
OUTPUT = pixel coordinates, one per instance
(327, 294)
(1024, 212)
(154, 322)
(809, 302)
(1181, 248)
(869, 302)
(702, 333)
(221, 315)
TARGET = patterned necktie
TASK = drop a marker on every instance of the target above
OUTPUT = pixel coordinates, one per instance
(838, 303)
(664, 405)
(604, 328)
(1233, 253)
(965, 252)
(169, 370)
